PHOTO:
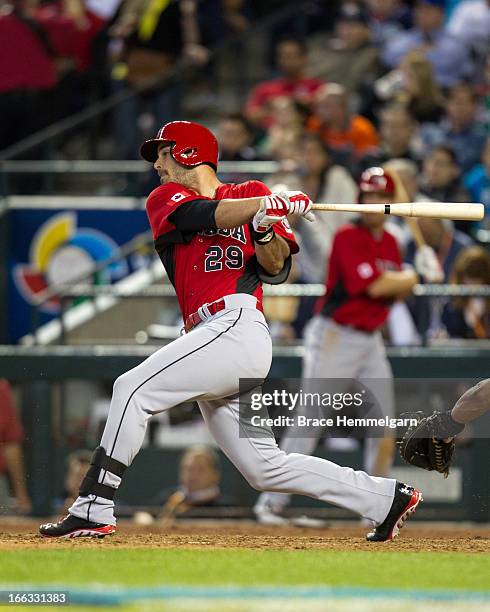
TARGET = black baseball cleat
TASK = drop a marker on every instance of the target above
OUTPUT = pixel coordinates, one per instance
(73, 527)
(404, 505)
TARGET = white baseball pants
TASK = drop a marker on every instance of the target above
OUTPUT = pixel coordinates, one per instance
(205, 365)
(337, 352)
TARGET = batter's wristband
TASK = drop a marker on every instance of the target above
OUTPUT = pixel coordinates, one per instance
(263, 237)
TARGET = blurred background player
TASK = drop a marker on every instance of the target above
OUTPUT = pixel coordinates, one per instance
(343, 340)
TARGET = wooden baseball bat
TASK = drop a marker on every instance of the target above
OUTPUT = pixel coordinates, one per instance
(402, 196)
(436, 210)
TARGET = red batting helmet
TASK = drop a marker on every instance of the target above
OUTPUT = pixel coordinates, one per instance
(191, 144)
(376, 180)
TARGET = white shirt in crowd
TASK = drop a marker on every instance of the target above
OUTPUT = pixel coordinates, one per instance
(470, 22)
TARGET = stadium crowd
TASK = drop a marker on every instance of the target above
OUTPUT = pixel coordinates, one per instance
(351, 85)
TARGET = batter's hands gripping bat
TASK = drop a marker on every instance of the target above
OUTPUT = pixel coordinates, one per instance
(434, 210)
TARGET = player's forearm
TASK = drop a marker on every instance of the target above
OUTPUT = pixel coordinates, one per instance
(271, 256)
(472, 404)
(392, 284)
(234, 213)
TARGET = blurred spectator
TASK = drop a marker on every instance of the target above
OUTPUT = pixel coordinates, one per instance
(469, 317)
(421, 90)
(449, 57)
(291, 59)
(397, 128)
(28, 75)
(323, 181)
(235, 138)
(441, 181)
(219, 18)
(149, 38)
(485, 90)
(408, 172)
(413, 84)
(199, 485)
(446, 241)
(460, 129)
(470, 23)
(234, 15)
(441, 176)
(283, 139)
(12, 474)
(477, 181)
(71, 27)
(348, 135)
(78, 463)
(350, 58)
(387, 19)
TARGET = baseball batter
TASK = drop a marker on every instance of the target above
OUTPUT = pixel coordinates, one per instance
(343, 340)
(218, 243)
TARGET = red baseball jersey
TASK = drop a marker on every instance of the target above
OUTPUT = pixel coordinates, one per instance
(206, 264)
(356, 260)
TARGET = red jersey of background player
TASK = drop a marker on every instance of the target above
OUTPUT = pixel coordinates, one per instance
(356, 260)
(202, 262)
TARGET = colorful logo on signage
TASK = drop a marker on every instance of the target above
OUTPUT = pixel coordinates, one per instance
(61, 253)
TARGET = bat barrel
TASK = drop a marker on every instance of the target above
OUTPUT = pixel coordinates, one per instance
(463, 211)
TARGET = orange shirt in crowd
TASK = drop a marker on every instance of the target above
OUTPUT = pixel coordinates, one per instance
(360, 134)
(10, 427)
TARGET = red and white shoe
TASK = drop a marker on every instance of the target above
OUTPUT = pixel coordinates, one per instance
(73, 527)
(404, 505)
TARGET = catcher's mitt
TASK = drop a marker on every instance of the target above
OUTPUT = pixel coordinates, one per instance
(430, 443)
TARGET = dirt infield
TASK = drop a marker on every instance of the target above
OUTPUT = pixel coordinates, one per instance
(218, 535)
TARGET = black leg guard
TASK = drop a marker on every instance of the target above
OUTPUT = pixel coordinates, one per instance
(100, 461)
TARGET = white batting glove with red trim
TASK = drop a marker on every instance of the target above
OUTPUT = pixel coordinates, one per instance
(298, 203)
(273, 208)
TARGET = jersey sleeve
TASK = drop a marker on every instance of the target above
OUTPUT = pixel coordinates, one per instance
(175, 211)
(357, 267)
(282, 228)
